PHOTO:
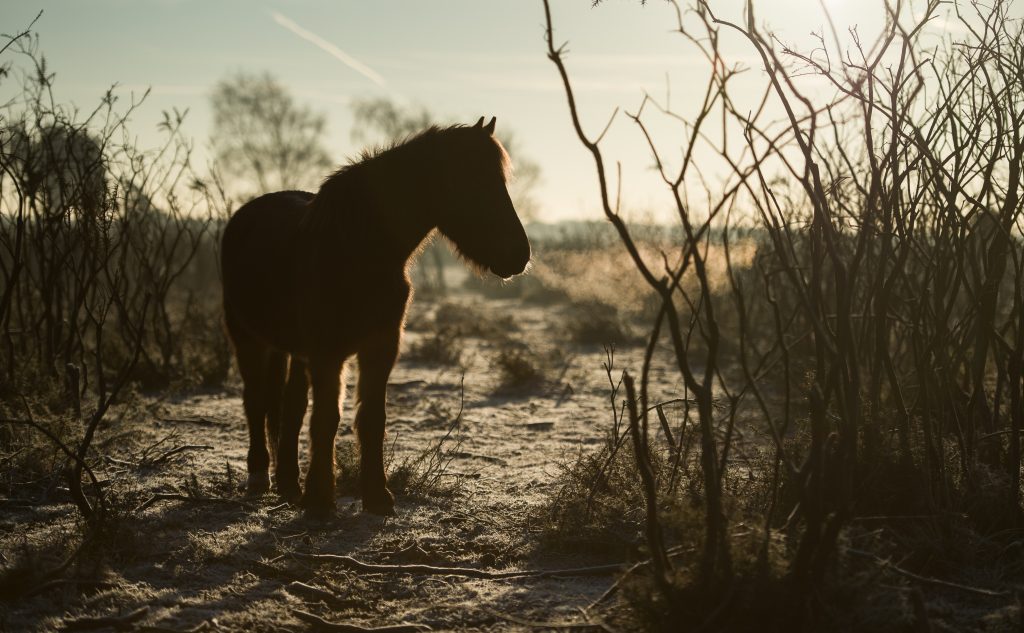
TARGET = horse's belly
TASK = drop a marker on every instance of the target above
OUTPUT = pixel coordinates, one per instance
(302, 298)
(338, 324)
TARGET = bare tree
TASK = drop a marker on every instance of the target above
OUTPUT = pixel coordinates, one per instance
(262, 138)
(382, 116)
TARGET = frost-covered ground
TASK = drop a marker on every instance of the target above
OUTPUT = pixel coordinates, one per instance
(231, 563)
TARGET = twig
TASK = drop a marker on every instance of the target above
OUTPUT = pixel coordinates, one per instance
(49, 575)
(27, 31)
(309, 590)
(545, 625)
(170, 496)
(921, 622)
(642, 451)
(301, 588)
(323, 625)
(174, 451)
(119, 622)
(926, 579)
(413, 547)
(487, 458)
(672, 552)
(203, 421)
(465, 572)
(60, 582)
(7, 458)
(202, 626)
(120, 462)
(73, 455)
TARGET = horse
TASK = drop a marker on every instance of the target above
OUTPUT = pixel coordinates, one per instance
(311, 280)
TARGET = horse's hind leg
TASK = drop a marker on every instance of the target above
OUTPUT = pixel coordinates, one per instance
(275, 374)
(376, 359)
(318, 496)
(293, 409)
(252, 364)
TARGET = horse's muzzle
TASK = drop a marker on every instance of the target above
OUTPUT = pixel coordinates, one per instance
(513, 264)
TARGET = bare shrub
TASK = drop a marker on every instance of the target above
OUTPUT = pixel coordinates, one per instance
(519, 368)
(427, 475)
(596, 323)
(854, 286)
(440, 345)
(107, 252)
(92, 231)
(597, 505)
(468, 321)
(527, 288)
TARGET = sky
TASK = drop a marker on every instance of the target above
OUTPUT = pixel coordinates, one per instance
(461, 59)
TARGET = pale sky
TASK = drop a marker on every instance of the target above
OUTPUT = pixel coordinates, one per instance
(462, 59)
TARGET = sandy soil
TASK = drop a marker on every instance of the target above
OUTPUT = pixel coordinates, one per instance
(229, 565)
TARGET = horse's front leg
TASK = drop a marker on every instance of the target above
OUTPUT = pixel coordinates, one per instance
(376, 358)
(293, 409)
(318, 496)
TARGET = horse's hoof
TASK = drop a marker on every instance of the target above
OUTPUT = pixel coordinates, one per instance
(257, 485)
(380, 505)
(317, 509)
(290, 492)
(320, 514)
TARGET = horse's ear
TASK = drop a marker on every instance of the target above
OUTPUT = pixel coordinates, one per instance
(480, 123)
(490, 126)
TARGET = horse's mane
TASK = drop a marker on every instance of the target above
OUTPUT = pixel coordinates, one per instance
(407, 147)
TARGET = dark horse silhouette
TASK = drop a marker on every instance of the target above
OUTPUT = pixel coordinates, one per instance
(310, 280)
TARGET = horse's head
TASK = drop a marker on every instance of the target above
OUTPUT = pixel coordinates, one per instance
(477, 213)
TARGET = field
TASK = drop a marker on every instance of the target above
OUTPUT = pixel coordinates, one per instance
(796, 403)
(477, 445)
(496, 426)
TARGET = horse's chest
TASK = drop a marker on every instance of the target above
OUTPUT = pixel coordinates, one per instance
(341, 317)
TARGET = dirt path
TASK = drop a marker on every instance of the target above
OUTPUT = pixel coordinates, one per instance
(230, 564)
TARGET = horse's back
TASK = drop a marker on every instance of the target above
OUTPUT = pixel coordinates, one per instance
(259, 249)
(263, 218)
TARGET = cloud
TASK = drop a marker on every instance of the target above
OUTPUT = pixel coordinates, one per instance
(329, 48)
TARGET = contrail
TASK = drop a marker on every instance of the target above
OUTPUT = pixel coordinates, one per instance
(323, 44)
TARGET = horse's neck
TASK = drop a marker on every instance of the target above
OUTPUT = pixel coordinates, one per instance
(404, 211)
(387, 207)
